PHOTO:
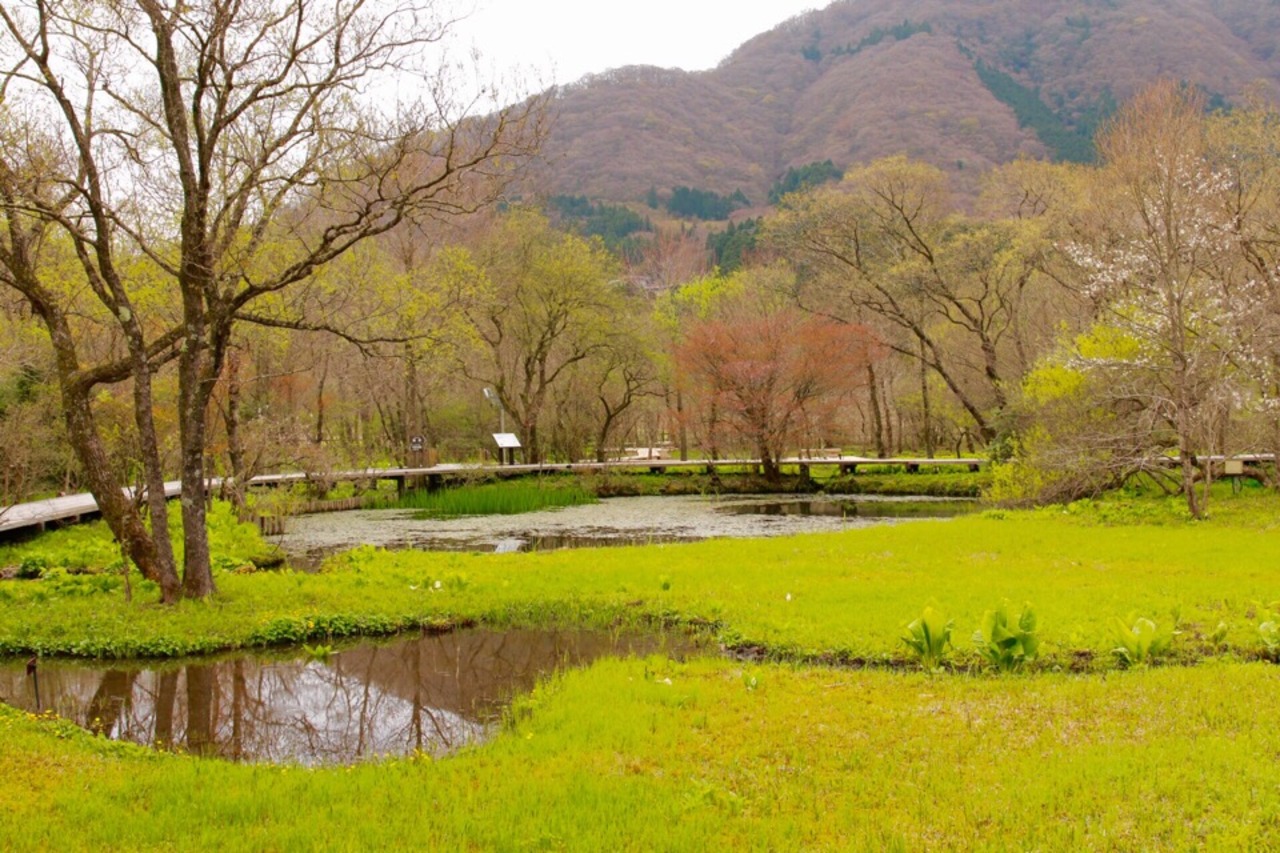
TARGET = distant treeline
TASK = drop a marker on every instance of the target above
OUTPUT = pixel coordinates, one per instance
(612, 223)
(693, 203)
(1072, 143)
(900, 32)
(802, 178)
(731, 247)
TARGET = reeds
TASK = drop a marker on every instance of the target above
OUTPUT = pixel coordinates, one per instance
(506, 498)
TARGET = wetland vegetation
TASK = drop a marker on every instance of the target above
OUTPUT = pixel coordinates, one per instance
(316, 283)
(817, 727)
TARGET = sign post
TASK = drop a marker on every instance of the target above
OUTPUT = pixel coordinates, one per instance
(508, 444)
(1234, 468)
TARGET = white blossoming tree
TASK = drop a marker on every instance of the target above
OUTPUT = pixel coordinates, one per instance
(1158, 259)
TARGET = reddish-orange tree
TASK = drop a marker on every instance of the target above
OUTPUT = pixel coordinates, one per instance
(765, 373)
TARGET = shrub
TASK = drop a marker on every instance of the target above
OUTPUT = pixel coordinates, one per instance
(32, 568)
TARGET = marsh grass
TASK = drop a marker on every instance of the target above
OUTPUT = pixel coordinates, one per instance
(946, 483)
(501, 498)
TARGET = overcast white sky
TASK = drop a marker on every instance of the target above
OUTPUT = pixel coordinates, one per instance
(558, 41)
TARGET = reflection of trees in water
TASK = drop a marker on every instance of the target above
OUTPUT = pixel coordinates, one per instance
(431, 694)
(110, 704)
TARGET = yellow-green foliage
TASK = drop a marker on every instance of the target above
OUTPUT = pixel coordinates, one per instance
(929, 637)
(1018, 480)
(1108, 343)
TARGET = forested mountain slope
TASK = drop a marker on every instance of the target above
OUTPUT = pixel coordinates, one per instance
(964, 84)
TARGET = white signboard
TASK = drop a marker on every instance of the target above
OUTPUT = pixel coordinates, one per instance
(506, 440)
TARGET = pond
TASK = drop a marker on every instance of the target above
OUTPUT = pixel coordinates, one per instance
(613, 521)
(882, 509)
(430, 694)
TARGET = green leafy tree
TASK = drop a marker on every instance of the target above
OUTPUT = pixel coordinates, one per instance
(545, 301)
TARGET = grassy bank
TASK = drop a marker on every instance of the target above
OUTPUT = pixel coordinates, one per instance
(655, 755)
(840, 597)
(728, 754)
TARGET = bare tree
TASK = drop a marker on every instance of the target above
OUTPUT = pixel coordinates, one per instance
(768, 370)
(885, 246)
(197, 160)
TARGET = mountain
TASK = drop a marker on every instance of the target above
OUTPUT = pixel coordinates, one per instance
(964, 84)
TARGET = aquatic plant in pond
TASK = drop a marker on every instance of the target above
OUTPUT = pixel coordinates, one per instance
(509, 498)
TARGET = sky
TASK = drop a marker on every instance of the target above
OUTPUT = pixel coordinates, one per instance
(559, 41)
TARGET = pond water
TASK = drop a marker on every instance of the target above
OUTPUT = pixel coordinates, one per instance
(431, 694)
(876, 510)
(613, 521)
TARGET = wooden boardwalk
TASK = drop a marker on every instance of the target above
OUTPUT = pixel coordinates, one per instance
(70, 509)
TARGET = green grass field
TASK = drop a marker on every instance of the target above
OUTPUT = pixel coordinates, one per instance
(1078, 753)
(653, 755)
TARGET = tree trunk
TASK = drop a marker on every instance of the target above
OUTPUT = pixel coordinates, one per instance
(877, 424)
(891, 442)
(769, 462)
(148, 442)
(927, 410)
(157, 501)
(234, 486)
(681, 428)
(532, 453)
(324, 375)
(197, 571)
(991, 368)
(602, 437)
(118, 512)
(1188, 465)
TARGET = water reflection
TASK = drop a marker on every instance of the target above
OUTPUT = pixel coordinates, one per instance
(312, 560)
(915, 508)
(431, 694)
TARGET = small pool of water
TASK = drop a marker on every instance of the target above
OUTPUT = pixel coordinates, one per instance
(859, 508)
(611, 522)
(431, 694)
